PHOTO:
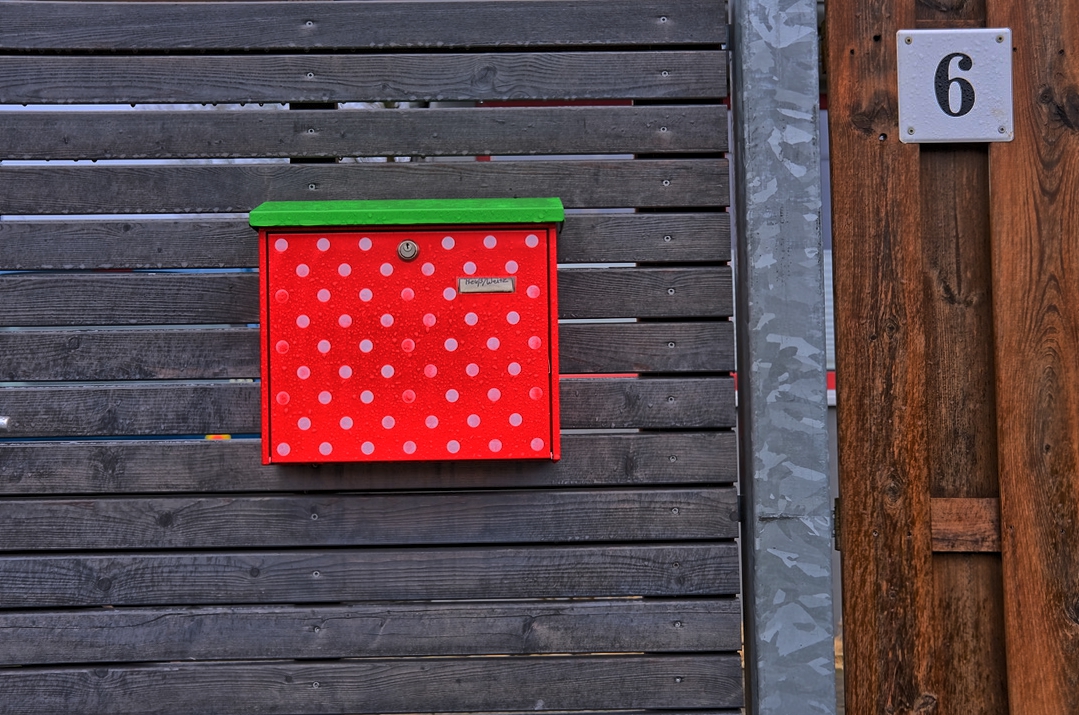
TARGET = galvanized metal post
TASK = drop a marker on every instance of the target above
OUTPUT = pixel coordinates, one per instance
(787, 529)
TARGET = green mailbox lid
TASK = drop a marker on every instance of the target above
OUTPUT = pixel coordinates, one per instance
(410, 212)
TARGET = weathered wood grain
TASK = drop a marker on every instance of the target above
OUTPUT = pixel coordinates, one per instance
(233, 408)
(183, 298)
(90, 79)
(232, 522)
(1035, 221)
(368, 630)
(212, 188)
(346, 133)
(966, 525)
(284, 26)
(335, 575)
(188, 354)
(382, 686)
(228, 243)
(179, 466)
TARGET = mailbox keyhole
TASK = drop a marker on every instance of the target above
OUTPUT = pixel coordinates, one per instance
(408, 250)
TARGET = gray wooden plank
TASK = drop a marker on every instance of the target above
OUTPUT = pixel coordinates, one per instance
(180, 299)
(236, 522)
(213, 188)
(228, 243)
(368, 630)
(357, 25)
(344, 133)
(233, 408)
(174, 467)
(380, 686)
(334, 575)
(82, 79)
(197, 354)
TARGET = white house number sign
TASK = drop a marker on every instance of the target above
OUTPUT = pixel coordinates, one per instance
(955, 85)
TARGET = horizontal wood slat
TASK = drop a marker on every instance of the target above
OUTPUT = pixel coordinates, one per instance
(134, 467)
(672, 75)
(966, 525)
(346, 133)
(233, 408)
(172, 298)
(368, 520)
(332, 575)
(370, 631)
(231, 188)
(285, 26)
(231, 243)
(141, 354)
(381, 686)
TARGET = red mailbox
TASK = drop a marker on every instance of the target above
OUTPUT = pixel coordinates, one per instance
(409, 330)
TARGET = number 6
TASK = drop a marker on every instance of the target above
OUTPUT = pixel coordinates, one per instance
(943, 84)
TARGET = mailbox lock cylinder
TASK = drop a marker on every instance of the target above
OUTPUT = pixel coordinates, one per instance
(408, 250)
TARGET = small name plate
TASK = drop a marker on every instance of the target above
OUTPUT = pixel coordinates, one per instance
(486, 285)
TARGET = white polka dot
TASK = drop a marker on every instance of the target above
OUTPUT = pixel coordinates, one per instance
(494, 394)
(490, 242)
(345, 320)
(304, 423)
(345, 372)
(537, 444)
(449, 294)
(513, 317)
(473, 420)
(302, 321)
(388, 422)
(323, 295)
(367, 397)
(345, 270)
(448, 242)
(303, 372)
(325, 448)
(325, 397)
(451, 344)
(428, 269)
(472, 369)
(431, 421)
(282, 346)
(365, 295)
(452, 395)
(533, 292)
(365, 244)
(323, 244)
(387, 371)
(407, 294)
(430, 371)
(514, 368)
(469, 268)
(471, 318)
(534, 342)
(429, 320)
(366, 346)
(281, 245)
(367, 448)
(453, 446)
(408, 396)
(346, 422)
(516, 420)
(385, 269)
(409, 447)
(302, 270)
(408, 345)
(531, 240)
(281, 295)
(535, 393)
(511, 267)
(495, 445)
(324, 346)
(282, 398)
(492, 343)
(386, 320)
(283, 449)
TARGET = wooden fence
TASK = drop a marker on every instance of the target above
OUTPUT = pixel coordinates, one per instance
(145, 569)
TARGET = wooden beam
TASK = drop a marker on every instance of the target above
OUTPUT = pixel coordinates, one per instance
(966, 525)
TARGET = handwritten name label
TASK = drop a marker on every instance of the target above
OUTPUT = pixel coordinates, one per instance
(486, 285)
